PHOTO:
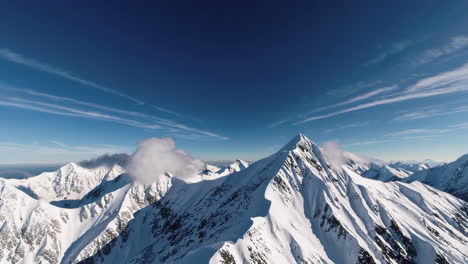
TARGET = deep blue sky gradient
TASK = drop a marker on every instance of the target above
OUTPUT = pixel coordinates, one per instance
(247, 71)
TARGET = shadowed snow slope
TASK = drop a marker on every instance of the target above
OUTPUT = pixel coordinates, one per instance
(291, 207)
(452, 177)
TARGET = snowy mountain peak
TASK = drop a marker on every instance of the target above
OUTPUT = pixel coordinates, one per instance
(299, 141)
(451, 177)
(70, 181)
(295, 206)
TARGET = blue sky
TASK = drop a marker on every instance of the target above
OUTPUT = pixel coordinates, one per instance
(233, 80)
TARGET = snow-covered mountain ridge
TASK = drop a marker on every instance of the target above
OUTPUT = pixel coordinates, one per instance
(451, 177)
(292, 207)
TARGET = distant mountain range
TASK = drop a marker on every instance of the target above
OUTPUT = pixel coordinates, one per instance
(451, 177)
(299, 205)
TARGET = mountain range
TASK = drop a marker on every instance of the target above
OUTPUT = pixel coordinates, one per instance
(299, 205)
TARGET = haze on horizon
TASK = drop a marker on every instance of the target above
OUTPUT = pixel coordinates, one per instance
(233, 80)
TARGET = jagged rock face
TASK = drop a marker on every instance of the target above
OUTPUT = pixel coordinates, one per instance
(292, 207)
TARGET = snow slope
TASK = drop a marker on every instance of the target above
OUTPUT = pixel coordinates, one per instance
(295, 207)
(238, 165)
(412, 167)
(385, 173)
(213, 172)
(392, 171)
(451, 178)
(292, 207)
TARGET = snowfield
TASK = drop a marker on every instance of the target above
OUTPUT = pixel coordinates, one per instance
(291, 207)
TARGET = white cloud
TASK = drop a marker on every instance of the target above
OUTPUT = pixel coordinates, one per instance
(430, 112)
(443, 83)
(358, 98)
(365, 142)
(334, 154)
(338, 157)
(431, 131)
(418, 131)
(354, 88)
(455, 44)
(156, 156)
(393, 50)
(40, 66)
(69, 111)
(460, 126)
(278, 123)
(36, 149)
(94, 111)
(58, 143)
(357, 124)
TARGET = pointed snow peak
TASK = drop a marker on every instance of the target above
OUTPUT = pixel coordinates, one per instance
(299, 141)
(71, 166)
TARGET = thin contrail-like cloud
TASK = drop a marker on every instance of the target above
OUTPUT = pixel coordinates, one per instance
(358, 98)
(52, 108)
(97, 112)
(448, 82)
(44, 67)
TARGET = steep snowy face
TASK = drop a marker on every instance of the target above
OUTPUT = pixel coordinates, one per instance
(451, 178)
(294, 207)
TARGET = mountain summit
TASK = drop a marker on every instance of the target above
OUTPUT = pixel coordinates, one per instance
(295, 206)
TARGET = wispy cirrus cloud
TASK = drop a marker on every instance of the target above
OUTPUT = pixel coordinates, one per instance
(428, 131)
(418, 132)
(453, 81)
(58, 143)
(349, 90)
(278, 123)
(365, 142)
(430, 112)
(460, 126)
(392, 50)
(456, 44)
(65, 106)
(14, 57)
(56, 150)
(351, 125)
(59, 153)
(358, 98)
